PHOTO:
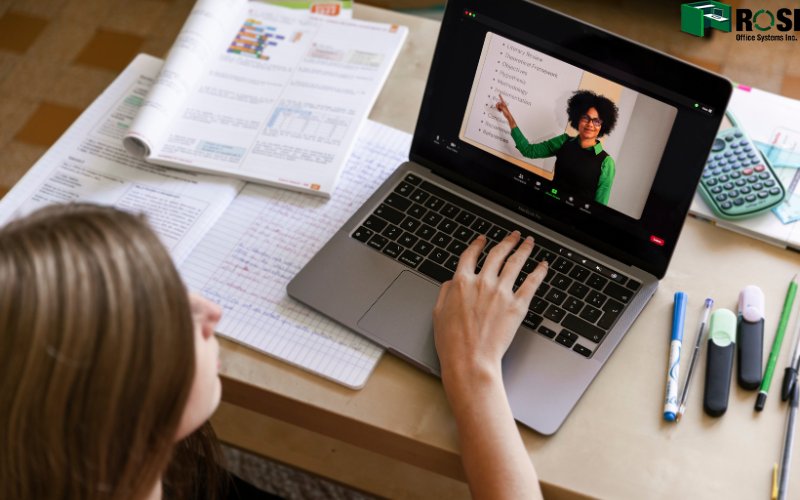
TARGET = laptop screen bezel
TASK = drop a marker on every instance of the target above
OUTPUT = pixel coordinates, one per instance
(627, 62)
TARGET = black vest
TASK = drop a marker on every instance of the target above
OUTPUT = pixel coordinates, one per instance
(577, 170)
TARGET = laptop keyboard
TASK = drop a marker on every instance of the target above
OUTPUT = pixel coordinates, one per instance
(426, 228)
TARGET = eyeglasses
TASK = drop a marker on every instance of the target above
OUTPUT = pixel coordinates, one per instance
(597, 122)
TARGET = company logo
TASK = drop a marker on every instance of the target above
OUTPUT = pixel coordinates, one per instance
(697, 16)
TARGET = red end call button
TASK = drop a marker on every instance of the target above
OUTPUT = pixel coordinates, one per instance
(655, 239)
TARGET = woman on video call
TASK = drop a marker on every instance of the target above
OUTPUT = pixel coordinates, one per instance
(581, 163)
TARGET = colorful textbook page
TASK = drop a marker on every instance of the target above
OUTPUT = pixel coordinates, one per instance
(771, 121)
(264, 93)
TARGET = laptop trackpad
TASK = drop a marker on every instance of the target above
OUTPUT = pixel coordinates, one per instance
(402, 319)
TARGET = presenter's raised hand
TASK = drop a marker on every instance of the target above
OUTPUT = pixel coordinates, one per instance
(503, 108)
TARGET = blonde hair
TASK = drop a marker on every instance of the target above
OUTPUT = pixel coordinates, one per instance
(96, 355)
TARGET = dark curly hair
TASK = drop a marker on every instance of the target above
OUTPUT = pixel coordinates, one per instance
(582, 100)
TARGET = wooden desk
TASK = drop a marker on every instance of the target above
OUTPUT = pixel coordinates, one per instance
(397, 438)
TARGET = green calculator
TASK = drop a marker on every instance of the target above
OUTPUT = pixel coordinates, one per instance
(738, 181)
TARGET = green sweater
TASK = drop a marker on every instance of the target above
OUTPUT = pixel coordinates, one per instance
(550, 148)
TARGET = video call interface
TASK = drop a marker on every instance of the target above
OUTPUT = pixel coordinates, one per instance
(580, 139)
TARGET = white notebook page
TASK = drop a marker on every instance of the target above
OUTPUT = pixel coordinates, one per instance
(265, 237)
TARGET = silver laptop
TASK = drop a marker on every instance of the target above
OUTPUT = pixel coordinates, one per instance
(603, 189)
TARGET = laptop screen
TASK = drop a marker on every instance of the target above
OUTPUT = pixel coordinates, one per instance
(590, 134)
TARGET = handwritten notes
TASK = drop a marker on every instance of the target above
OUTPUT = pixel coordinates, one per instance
(265, 237)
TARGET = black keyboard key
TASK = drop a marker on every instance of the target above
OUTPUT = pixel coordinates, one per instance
(393, 250)
(407, 239)
(573, 305)
(413, 179)
(596, 281)
(432, 218)
(441, 240)
(579, 273)
(419, 196)
(562, 265)
(555, 313)
(578, 290)
(439, 256)
(550, 275)
(555, 296)
(583, 351)
(618, 292)
(607, 320)
(497, 233)
(363, 234)
(595, 298)
(425, 232)
(410, 224)
(547, 255)
(566, 338)
(465, 218)
(560, 281)
(434, 203)
(456, 247)
(452, 263)
(398, 202)
(377, 242)
(449, 210)
(633, 285)
(410, 258)
(538, 305)
(590, 313)
(388, 213)
(435, 271)
(617, 278)
(480, 226)
(447, 226)
(375, 223)
(583, 328)
(543, 288)
(463, 234)
(613, 306)
(423, 248)
(546, 332)
(529, 266)
(416, 211)
(532, 320)
(392, 231)
(404, 189)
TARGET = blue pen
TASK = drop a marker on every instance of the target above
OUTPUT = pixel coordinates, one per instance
(678, 317)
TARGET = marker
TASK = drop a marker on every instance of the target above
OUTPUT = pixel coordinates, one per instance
(776, 345)
(719, 364)
(673, 370)
(697, 346)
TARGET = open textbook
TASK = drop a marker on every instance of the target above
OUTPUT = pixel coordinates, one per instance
(771, 121)
(237, 243)
(264, 93)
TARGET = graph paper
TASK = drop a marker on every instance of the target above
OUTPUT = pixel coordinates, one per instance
(265, 237)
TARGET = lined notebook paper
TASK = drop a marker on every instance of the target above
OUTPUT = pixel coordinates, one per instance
(265, 237)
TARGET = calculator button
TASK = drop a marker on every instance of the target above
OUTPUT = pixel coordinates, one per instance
(752, 180)
(737, 134)
(748, 148)
(721, 197)
(735, 175)
(723, 178)
(727, 205)
(735, 146)
(757, 186)
(775, 191)
(718, 145)
(716, 190)
(711, 182)
(763, 194)
(733, 193)
(750, 198)
(762, 175)
(722, 163)
(747, 171)
(728, 185)
(725, 170)
(745, 190)
(728, 154)
(729, 138)
(740, 182)
(769, 183)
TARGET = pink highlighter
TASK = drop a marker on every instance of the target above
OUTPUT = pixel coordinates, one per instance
(750, 336)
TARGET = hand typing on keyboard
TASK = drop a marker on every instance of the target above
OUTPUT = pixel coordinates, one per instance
(474, 322)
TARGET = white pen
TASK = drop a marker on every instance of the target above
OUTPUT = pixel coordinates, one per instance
(706, 310)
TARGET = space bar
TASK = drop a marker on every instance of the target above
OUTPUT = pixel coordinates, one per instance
(435, 271)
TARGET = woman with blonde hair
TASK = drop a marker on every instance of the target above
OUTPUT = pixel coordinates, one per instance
(108, 367)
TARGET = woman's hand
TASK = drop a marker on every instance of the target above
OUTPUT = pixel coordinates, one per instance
(503, 108)
(477, 315)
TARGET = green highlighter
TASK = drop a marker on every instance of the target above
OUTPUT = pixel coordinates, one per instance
(721, 350)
